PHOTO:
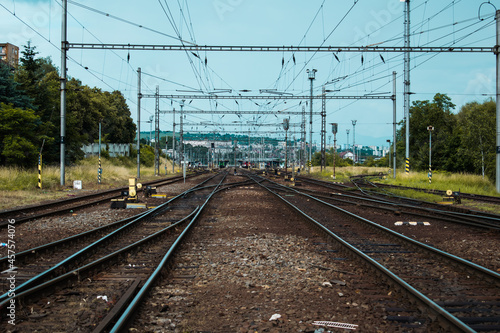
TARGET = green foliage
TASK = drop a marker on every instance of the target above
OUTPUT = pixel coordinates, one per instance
(35, 87)
(105, 153)
(147, 156)
(381, 162)
(463, 142)
(339, 162)
(476, 124)
(10, 91)
(18, 136)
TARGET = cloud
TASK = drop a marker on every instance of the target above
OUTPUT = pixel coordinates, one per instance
(482, 83)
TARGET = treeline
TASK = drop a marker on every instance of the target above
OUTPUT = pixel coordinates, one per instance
(30, 113)
(462, 142)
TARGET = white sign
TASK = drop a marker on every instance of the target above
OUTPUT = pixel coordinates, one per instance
(77, 184)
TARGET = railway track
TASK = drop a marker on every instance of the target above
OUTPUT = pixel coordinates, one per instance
(463, 295)
(363, 181)
(109, 284)
(29, 213)
(405, 205)
(107, 273)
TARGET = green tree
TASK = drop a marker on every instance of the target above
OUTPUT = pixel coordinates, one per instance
(10, 91)
(30, 75)
(19, 139)
(147, 155)
(477, 128)
(445, 141)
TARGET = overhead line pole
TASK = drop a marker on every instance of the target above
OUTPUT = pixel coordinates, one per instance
(323, 130)
(157, 133)
(394, 124)
(139, 122)
(303, 138)
(312, 76)
(64, 48)
(406, 92)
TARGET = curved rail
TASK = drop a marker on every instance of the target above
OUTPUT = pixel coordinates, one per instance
(450, 320)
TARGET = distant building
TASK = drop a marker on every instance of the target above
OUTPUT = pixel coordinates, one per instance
(9, 54)
(346, 154)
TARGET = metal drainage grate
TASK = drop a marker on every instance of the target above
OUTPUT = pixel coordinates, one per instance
(336, 325)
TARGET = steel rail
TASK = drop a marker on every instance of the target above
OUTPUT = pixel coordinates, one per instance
(463, 213)
(125, 319)
(112, 194)
(61, 242)
(149, 214)
(452, 217)
(471, 196)
(487, 272)
(78, 271)
(451, 320)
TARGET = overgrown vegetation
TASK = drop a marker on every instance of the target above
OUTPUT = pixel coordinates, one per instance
(342, 174)
(462, 182)
(115, 173)
(462, 143)
(30, 108)
(457, 182)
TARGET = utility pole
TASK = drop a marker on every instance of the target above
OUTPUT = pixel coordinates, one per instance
(139, 95)
(311, 76)
(394, 124)
(234, 153)
(181, 135)
(430, 129)
(303, 138)
(354, 140)
(389, 153)
(407, 82)
(334, 131)
(157, 132)
(99, 170)
(173, 143)
(348, 147)
(286, 126)
(64, 49)
(323, 129)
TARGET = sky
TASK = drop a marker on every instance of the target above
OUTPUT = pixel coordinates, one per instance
(465, 77)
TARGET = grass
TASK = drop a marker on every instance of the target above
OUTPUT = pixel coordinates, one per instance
(465, 183)
(342, 174)
(18, 187)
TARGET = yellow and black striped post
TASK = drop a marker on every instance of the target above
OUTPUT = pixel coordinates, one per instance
(39, 185)
(407, 168)
(430, 174)
(99, 172)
